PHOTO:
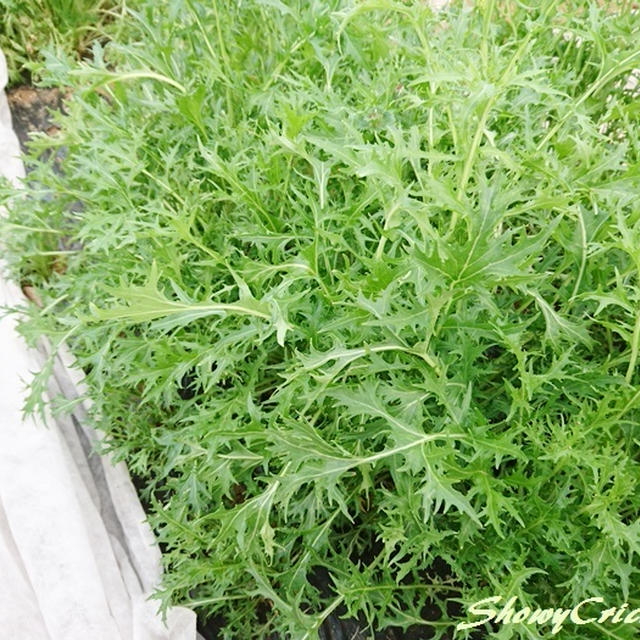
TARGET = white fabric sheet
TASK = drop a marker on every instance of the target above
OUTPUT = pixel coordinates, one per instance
(77, 560)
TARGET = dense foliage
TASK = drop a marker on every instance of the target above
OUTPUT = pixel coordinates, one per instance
(355, 287)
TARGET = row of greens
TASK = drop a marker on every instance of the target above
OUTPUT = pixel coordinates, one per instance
(355, 288)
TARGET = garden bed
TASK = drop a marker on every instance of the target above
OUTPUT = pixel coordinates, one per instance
(355, 289)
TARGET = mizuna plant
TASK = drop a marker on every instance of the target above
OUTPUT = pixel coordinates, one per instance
(355, 288)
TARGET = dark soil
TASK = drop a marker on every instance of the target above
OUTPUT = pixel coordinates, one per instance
(31, 108)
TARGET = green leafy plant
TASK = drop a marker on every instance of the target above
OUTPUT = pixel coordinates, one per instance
(28, 27)
(355, 288)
